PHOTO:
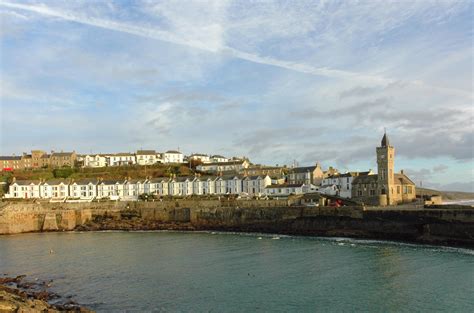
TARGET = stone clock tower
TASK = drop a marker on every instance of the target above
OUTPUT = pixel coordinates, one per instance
(385, 171)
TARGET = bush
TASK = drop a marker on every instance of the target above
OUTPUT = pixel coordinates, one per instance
(63, 172)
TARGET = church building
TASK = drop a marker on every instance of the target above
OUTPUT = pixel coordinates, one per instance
(387, 187)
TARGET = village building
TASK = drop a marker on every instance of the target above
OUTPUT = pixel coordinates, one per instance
(255, 185)
(203, 158)
(113, 189)
(258, 170)
(173, 156)
(386, 187)
(306, 175)
(10, 163)
(63, 159)
(121, 159)
(218, 159)
(231, 166)
(284, 190)
(54, 188)
(83, 188)
(95, 160)
(24, 189)
(343, 182)
(146, 157)
(158, 186)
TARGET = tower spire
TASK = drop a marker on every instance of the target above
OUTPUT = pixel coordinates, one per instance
(385, 142)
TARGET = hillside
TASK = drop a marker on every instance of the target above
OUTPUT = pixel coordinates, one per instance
(447, 195)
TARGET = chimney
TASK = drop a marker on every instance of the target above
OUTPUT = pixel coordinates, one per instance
(402, 172)
(13, 180)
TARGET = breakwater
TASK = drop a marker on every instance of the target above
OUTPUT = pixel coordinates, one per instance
(453, 225)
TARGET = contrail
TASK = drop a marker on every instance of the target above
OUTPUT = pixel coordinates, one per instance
(172, 38)
(225, 50)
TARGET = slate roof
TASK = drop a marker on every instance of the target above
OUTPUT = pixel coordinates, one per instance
(223, 163)
(61, 154)
(159, 179)
(86, 181)
(365, 179)
(146, 152)
(303, 169)
(173, 152)
(57, 181)
(285, 186)
(218, 156)
(6, 158)
(27, 182)
(403, 179)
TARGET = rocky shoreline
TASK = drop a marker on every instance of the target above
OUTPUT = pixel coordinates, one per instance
(18, 295)
(101, 223)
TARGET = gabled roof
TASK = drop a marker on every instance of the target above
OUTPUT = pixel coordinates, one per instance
(285, 186)
(159, 179)
(146, 152)
(56, 181)
(403, 179)
(111, 182)
(365, 179)
(223, 163)
(85, 181)
(10, 158)
(62, 154)
(217, 156)
(26, 182)
(303, 169)
(173, 152)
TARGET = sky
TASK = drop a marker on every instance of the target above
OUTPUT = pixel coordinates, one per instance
(280, 82)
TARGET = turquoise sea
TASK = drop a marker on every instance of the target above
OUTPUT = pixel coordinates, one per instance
(232, 272)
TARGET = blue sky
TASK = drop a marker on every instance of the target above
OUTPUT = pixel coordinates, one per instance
(276, 81)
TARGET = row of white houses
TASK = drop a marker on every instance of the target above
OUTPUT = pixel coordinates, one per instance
(146, 157)
(130, 189)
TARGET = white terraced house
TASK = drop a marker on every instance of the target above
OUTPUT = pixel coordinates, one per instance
(110, 189)
(233, 184)
(55, 188)
(24, 189)
(159, 186)
(255, 185)
(198, 185)
(172, 156)
(218, 159)
(83, 188)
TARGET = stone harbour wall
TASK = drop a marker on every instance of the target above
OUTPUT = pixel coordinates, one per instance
(452, 226)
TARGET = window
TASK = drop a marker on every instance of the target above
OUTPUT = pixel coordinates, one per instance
(398, 189)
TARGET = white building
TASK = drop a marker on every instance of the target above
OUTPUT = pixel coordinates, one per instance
(255, 185)
(330, 190)
(54, 188)
(83, 188)
(120, 159)
(343, 182)
(235, 166)
(204, 158)
(24, 189)
(146, 157)
(233, 184)
(289, 189)
(218, 159)
(95, 160)
(173, 156)
(113, 189)
(159, 186)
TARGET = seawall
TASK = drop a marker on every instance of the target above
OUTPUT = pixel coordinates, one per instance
(447, 226)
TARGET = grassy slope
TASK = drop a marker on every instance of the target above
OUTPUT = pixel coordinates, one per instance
(447, 195)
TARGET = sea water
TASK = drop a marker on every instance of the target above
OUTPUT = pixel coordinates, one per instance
(238, 272)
